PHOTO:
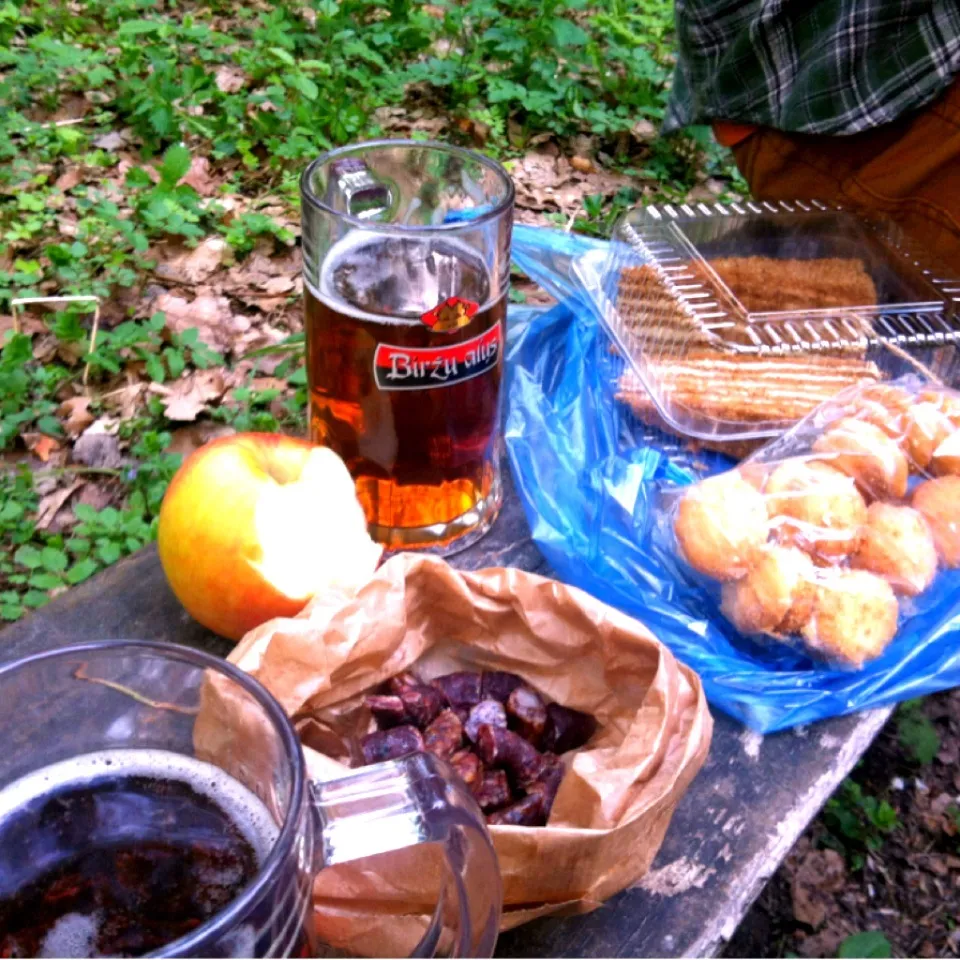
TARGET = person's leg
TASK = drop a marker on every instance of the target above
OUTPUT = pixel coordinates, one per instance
(908, 170)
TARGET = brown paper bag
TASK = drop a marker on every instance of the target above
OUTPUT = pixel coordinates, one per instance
(618, 795)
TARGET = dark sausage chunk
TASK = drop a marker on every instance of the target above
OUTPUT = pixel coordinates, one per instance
(504, 748)
(469, 768)
(528, 712)
(567, 729)
(388, 711)
(486, 711)
(498, 684)
(443, 737)
(390, 744)
(527, 812)
(493, 791)
(548, 781)
(422, 703)
(460, 689)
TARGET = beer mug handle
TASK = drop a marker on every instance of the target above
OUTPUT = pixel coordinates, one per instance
(412, 801)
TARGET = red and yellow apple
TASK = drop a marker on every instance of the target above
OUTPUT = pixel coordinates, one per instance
(253, 525)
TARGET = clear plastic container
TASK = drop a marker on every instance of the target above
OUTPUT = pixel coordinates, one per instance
(735, 321)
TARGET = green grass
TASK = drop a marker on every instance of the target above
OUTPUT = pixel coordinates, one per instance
(104, 106)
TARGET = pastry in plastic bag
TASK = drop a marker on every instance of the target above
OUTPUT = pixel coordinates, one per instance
(815, 506)
(854, 616)
(946, 458)
(719, 525)
(865, 452)
(939, 501)
(863, 501)
(925, 427)
(897, 544)
(776, 595)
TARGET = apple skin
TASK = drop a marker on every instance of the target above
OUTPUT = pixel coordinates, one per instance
(246, 521)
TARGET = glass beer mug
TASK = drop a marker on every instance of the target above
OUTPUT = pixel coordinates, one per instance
(134, 821)
(406, 263)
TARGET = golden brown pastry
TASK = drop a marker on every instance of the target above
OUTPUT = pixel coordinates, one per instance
(854, 616)
(939, 501)
(816, 507)
(883, 406)
(720, 523)
(946, 402)
(946, 458)
(863, 451)
(776, 596)
(897, 545)
(926, 426)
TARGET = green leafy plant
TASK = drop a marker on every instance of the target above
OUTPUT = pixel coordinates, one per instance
(870, 943)
(857, 823)
(916, 733)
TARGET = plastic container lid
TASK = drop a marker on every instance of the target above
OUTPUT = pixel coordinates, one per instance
(734, 318)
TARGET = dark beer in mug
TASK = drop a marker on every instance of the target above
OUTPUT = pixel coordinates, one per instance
(122, 852)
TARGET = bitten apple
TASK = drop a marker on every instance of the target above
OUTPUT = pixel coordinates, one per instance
(255, 524)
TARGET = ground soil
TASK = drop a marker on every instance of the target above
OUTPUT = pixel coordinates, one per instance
(908, 888)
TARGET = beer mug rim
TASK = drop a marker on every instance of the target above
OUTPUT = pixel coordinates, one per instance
(289, 829)
(310, 196)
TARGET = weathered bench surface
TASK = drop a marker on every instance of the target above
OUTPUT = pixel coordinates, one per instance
(739, 819)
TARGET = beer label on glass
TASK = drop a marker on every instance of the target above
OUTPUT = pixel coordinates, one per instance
(419, 368)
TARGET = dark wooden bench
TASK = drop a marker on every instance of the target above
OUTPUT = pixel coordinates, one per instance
(739, 819)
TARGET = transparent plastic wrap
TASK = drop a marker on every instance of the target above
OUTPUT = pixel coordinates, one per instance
(592, 477)
(737, 320)
(831, 537)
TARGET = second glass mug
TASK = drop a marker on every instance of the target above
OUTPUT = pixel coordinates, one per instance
(117, 706)
(406, 264)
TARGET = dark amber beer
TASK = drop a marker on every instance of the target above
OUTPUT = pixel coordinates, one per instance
(406, 250)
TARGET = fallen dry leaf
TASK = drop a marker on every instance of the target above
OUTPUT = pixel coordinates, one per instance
(229, 79)
(820, 875)
(41, 445)
(75, 415)
(30, 324)
(69, 179)
(582, 164)
(125, 401)
(185, 399)
(96, 495)
(548, 182)
(644, 131)
(198, 177)
(277, 285)
(219, 327)
(184, 440)
(111, 141)
(51, 504)
(183, 265)
(268, 383)
(95, 447)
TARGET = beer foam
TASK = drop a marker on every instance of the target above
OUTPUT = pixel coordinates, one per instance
(241, 805)
(73, 935)
(352, 244)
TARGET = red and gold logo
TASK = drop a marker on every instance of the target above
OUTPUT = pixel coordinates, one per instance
(450, 315)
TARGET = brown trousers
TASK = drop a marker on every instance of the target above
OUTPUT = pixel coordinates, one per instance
(908, 170)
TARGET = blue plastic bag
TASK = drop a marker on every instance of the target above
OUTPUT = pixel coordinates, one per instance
(589, 478)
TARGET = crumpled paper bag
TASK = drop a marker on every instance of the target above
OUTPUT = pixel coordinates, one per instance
(616, 800)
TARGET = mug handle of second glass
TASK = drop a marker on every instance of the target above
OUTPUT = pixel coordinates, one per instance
(403, 803)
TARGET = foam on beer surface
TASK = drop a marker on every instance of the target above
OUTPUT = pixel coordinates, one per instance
(401, 278)
(245, 810)
(73, 935)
